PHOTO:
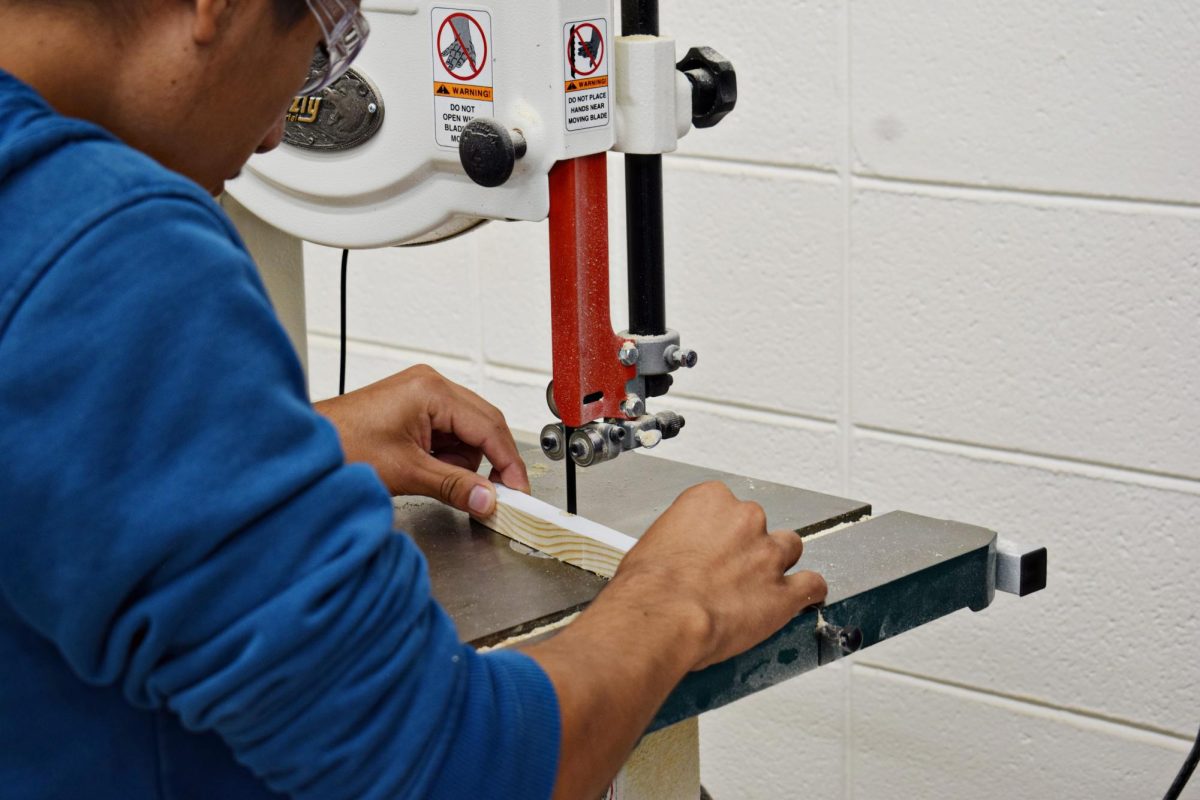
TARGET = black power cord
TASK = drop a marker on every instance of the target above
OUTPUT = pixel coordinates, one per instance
(342, 362)
(1185, 772)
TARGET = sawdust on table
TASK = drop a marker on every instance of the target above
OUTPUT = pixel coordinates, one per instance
(515, 640)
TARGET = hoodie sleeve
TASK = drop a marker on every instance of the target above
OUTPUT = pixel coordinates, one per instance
(181, 524)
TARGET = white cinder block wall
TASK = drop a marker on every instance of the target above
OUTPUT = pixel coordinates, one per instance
(944, 257)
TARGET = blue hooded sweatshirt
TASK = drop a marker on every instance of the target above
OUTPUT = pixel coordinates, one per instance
(198, 597)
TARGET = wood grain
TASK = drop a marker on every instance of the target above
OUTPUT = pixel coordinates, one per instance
(567, 537)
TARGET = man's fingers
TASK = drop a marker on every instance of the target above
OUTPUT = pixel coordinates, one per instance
(709, 490)
(477, 423)
(807, 587)
(791, 547)
(461, 488)
(514, 475)
(460, 455)
(495, 477)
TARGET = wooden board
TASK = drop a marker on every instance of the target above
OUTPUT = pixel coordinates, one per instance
(573, 539)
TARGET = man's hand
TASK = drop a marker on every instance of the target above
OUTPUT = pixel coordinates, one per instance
(713, 562)
(426, 435)
(705, 582)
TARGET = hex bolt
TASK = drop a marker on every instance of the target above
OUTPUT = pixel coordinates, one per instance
(628, 354)
(633, 406)
(681, 356)
(578, 450)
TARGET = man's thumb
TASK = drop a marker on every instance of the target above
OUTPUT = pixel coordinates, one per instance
(463, 489)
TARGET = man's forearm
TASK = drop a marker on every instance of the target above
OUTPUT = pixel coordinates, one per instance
(612, 669)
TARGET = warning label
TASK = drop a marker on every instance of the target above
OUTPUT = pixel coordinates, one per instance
(585, 79)
(454, 90)
(587, 83)
(462, 71)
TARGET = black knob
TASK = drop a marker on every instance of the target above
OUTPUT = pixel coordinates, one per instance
(669, 423)
(658, 385)
(714, 85)
(489, 151)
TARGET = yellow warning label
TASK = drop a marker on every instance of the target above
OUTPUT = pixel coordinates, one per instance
(580, 84)
(481, 93)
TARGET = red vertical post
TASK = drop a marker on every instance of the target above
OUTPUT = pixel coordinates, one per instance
(586, 363)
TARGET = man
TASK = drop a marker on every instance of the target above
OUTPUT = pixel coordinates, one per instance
(201, 595)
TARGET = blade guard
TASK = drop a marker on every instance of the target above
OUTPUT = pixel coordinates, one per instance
(589, 379)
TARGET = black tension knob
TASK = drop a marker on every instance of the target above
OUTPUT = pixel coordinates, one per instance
(669, 423)
(489, 151)
(714, 85)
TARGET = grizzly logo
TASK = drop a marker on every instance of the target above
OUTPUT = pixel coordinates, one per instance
(304, 110)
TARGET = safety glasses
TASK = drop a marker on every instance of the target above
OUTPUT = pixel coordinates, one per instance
(344, 30)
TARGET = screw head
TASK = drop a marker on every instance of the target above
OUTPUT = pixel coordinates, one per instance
(850, 639)
(628, 354)
(681, 357)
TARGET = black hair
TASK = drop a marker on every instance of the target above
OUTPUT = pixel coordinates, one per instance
(289, 12)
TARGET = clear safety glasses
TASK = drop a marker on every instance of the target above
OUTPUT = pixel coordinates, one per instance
(344, 30)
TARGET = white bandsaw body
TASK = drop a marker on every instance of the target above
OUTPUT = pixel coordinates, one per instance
(405, 185)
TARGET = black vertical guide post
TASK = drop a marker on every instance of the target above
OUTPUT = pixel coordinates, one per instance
(644, 206)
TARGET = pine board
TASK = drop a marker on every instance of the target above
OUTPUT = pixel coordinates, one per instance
(550, 530)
